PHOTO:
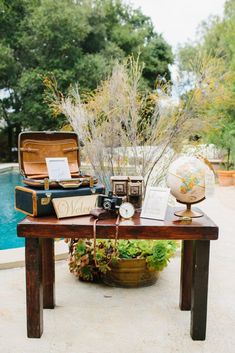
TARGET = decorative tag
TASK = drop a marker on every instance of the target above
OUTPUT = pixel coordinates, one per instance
(74, 206)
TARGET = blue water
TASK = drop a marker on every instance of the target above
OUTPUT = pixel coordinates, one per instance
(9, 217)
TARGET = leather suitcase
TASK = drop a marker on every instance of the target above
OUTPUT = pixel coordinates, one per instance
(35, 147)
(37, 203)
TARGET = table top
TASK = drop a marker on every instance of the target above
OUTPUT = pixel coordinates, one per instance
(202, 228)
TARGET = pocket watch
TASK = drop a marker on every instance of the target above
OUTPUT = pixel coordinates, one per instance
(126, 210)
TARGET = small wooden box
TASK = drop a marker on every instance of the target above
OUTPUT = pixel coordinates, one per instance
(135, 191)
(119, 185)
(130, 187)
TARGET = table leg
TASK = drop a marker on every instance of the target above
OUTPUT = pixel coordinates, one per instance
(201, 251)
(186, 274)
(34, 289)
(48, 273)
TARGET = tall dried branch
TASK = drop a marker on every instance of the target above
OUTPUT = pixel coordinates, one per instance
(117, 134)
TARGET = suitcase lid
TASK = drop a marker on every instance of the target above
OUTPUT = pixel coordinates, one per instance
(35, 147)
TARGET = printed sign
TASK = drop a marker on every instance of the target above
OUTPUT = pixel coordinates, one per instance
(155, 203)
(74, 206)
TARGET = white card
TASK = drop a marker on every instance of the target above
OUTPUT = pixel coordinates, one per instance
(155, 203)
(58, 168)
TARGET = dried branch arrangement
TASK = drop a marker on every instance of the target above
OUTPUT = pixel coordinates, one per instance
(126, 130)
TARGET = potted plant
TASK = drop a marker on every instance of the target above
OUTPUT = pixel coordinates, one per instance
(224, 138)
(129, 263)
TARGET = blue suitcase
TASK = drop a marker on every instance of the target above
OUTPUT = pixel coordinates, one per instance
(37, 203)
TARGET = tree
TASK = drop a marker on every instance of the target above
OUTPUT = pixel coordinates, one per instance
(73, 41)
(12, 14)
(217, 41)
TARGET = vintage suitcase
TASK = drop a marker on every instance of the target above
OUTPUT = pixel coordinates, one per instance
(37, 203)
(35, 199)
(35, 147)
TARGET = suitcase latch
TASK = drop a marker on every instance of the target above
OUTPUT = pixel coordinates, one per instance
(91, 181)
(46, 184)
(46, 200)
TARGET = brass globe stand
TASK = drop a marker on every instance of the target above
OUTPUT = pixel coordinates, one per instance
(188, 212)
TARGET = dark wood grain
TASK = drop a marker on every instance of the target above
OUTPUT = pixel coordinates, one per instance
(201, 250)
(186, 274)
(200, 229)
(34, 289)
(48, 273)
(194, 265)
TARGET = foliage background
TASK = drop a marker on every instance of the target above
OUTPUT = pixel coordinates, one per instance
(72, 41)
(216, 38)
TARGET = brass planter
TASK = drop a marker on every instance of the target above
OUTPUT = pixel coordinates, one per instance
(130, 273)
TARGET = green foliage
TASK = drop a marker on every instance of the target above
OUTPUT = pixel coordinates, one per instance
(160, 257)
(8, 67)
(156, 55)
(223, 136)
(83, 264)
(217, 41)
(156, 252)
(73, 41)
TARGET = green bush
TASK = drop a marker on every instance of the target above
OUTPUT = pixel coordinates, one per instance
(88, 263)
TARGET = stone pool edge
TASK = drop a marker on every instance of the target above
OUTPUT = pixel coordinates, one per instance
(11, 258)
(8, 167)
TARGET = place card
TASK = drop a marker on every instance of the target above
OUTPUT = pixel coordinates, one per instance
(58, 168)
(155, 203)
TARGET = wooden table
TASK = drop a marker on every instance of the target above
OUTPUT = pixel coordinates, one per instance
(39, 256)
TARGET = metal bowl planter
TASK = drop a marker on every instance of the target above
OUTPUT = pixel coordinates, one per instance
(129, 263)
(130, 273)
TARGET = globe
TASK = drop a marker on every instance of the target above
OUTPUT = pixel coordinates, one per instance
(186, 179)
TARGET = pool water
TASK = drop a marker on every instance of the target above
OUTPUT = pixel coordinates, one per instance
(9, 217)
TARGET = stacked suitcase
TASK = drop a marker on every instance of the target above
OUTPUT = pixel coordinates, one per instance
(35, 198)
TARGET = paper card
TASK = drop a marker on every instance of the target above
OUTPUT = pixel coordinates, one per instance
(155, 203)
(74, 206)
(58, 168)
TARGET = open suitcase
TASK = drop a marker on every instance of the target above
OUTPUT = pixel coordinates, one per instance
(33, 148)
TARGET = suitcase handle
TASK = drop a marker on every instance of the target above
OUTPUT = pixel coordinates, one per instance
(70, 149)
(70, 185)
(28, 149)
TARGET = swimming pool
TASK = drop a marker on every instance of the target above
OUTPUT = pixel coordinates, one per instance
(9, 217)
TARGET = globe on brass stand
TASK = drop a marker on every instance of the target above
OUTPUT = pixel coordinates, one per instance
(188, 212)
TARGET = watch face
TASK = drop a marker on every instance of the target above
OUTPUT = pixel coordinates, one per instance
(126, 210)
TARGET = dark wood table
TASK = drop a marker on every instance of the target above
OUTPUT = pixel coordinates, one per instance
(40, 268)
